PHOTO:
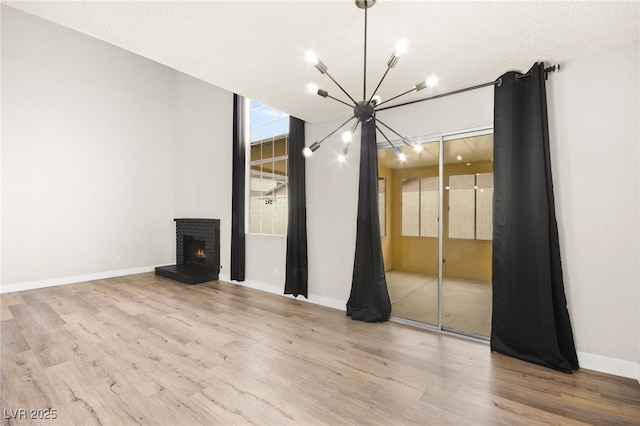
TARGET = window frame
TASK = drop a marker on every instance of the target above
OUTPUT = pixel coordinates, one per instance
(253, 174)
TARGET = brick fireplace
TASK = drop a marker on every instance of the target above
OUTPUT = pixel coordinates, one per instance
(197, 252)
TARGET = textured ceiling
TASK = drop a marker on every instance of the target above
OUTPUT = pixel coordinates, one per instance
(257, 48)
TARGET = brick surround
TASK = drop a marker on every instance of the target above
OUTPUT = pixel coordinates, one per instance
(207, 230)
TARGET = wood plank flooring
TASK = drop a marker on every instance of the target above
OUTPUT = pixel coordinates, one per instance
(146, 350)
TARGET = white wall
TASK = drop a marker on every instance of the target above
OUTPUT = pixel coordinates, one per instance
(332, 192)
(594, 119)
(203, 155)
(87, 155)
(265, 261)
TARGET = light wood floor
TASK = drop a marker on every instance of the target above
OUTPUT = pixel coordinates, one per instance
(147, 350)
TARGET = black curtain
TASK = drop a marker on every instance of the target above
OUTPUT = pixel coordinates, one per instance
(297, 270)
(530, 320)
(369, 300)
(238, 190)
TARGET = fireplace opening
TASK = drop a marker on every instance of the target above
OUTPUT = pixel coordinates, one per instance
(194, 251)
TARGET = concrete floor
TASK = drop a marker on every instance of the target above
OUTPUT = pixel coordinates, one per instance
(466, 303)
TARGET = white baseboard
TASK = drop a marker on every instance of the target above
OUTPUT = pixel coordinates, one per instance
(31, 285)
(276, 289)
(614, 366)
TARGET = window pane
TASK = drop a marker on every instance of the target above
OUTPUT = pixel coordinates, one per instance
(410, 207)
(267, 150)
(462, 206)
(254, 218)
(282, 126)
(281, 210)
(280, 147)
(280, 169)
(267, 114)
(382, 205)
(267, 216)
(484, 206)
(429, 207)
(256, 152)
(256, 118)
(257, 133)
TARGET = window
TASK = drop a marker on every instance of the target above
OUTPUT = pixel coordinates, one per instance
(411, 207)
(471, 206)
(268, 168)
(484, 206)
(429, 206)
(382, 205)
(420, 207)
(462, 206)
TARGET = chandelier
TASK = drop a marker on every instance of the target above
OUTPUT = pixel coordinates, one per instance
(365, 110)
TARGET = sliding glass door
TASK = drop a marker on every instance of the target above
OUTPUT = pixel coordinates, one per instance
(412, 218)
(437, 244)
(467, 233)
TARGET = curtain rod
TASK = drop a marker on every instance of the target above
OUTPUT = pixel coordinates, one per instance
(552, 68)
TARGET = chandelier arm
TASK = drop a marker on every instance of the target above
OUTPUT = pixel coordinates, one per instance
(341, 88)
(340, 100)
(397, 134)
(396, 97)
(355, 126)
(378, 86)
(333, 132)
(395, 148)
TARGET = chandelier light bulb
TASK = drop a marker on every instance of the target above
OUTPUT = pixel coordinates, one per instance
(399, 153)
(311, 57)
(347, 136)
(401, 47)
(312, 88)
(376, 100)
(306, 151)
(342, 157)
(432, 81)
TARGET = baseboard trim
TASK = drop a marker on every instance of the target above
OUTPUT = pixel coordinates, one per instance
(605, 364)
(275, 289)
(32, 285)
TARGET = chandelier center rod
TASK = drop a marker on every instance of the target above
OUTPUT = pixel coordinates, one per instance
(365, 4)
(364, 78)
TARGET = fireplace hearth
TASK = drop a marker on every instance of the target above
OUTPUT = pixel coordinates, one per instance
(197, 252)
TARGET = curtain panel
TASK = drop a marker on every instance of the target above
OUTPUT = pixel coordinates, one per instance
(238, 190)
(530, 320)
(297, 269)
(369, 299)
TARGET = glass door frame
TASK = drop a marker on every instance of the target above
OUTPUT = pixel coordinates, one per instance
(441, 138)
